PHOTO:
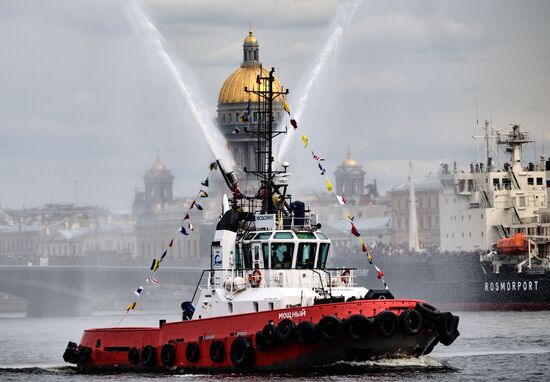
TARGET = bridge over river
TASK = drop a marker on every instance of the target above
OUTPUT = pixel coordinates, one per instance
(76, 290)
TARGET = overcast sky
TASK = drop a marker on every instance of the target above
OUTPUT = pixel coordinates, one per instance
(84, 98)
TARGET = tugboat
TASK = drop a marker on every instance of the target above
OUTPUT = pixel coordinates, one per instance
(268, 301)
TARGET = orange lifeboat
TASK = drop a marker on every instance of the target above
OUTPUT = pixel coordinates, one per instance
(513, 246)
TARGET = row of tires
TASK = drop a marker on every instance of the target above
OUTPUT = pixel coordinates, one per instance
(330, 328)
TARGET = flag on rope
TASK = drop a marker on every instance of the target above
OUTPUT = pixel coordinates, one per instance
(354, 231)
(351, 217)
(151, 280)
(138, 291)
(155, 265)
(192, 205)
(317, 157)
(329, 186)
(286, 107)
(259, 75)
(205, 183)
(203, 194)
(305, 140)
(199, 207)
(186, 217)
(171, 243)
(163, 255)
(183, 231)
(363, 247)
(190, 227)
(294, 123)
(132, 306)
(341, 199)
(236, 130)
(380, 274)
(323, 171)
(369, 258)
(213, 166)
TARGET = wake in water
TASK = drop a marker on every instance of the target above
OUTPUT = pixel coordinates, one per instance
(213, 137)
(343, 18)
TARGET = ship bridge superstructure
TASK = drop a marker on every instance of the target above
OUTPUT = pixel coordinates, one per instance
(486, 203)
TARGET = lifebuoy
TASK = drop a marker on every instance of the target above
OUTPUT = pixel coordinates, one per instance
(241, 352)
(192, 352)
(410, 321)
(255, 278)
(285, 329)
(168, 355)
(357, 327)
(268, 334)
(330, 328)
(345, 277)
(386, 323)
(427, 311)
(84, 353)
(217, 351)
(305, 333)
(148, 356)
(133, 356)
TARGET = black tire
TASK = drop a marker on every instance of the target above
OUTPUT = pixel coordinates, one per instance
(217, 352)
(70, 355)
(447, 327)
(386, 323)
(411, 321)
(192, 352)
(430, 347)
(285, 330)
(148, 356)
(427, 311)
(330, 328)
(84, 353)
(242, 352)
(268, 334)
(168, 355)
(306, 333)
(357, 327)
(260, 343)
(133, 356)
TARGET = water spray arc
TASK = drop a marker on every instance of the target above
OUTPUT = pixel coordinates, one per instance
(343, 18)
(214, 139)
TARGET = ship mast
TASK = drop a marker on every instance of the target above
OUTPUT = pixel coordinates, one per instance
(265, 134)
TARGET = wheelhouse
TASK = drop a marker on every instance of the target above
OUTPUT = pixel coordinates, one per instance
(282, 249)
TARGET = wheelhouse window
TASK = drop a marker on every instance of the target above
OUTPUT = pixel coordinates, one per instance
(306, 255)
(247, 256)
(281, 255)
(265, 252)
(323, 255)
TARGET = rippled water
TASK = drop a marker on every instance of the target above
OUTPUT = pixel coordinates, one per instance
(504, 346)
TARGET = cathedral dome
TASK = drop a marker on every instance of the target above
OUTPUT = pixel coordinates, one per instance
(232, 90)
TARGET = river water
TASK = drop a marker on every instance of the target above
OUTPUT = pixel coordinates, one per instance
(504, 346)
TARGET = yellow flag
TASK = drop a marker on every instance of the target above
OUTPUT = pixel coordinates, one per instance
(304, 139)
(132, 306)
(329, 186)
(155, 265)
(286, 107)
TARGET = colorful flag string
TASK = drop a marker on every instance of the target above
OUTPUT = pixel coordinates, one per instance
(184, 222)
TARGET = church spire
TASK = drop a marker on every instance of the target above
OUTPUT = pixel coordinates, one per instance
(251, 49)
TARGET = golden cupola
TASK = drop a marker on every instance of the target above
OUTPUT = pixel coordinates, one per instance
(232, 90)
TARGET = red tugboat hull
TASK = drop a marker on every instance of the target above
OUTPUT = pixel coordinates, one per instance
(307, 337)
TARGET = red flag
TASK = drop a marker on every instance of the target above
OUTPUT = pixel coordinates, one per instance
(192, 205)
(380, 274)
(363, 247)
(294, 123)
(186, 216)
(354, 231)
(258, 76)
(171, 243)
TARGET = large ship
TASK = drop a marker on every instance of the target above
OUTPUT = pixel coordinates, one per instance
(494, 235)
(269, 302)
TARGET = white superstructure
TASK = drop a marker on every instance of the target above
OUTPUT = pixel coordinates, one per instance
(480, 206)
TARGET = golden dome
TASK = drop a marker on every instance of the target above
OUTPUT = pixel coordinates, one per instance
(232, 90)
(350, 162)
(250, 39)
(158, 166)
